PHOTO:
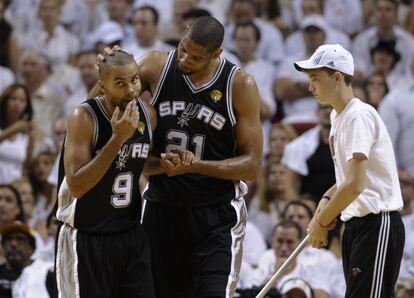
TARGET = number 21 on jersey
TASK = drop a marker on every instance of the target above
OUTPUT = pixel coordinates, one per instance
(178, 139)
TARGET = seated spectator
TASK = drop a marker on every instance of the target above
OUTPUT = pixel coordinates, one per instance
(384, 59)
(118, 11)
(11, 207)
(145, 22)
(47, 96)
(397, 112)
(18, 242)
(280, 135)
(308, 160)
(246, 37)
(25, 189)
(296, 287)
(405, 289)
(52, 39)
(376, 88)
(15, 127)
(271, 45)
(107, 34)
(271, 199)
(8, 44)
(43, 190)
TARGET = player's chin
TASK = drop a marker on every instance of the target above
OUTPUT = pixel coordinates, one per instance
(184, 71)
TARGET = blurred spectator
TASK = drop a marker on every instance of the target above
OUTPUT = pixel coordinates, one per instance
(43, 190)
(18, 242)
(295, 43)
(85, 62)
(271, 44)
(375, 88)
(15, 126)
(337, 14)
(145, 22)
(117, 11)
(405, 289)
(164, 7)
(25, 189)
(47, 252)
(51, 39)
(175, 30)
(107, 34)
(11, 207)
(47, 101)
(246, 38)
(59, 133)
(8, 43)
(385, 28)
(279, 13)
(271, 199)
(286, 237)
(280, 135)
(407, 192)
(397, 111)
(254, 244)
(308, 160)
(296, 287)
(292, 87)
(384, 58)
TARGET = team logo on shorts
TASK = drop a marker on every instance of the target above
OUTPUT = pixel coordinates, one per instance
(216, 95)
(141, 127)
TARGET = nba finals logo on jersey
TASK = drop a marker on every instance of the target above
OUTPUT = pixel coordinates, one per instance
(216, 95)
(141, 127)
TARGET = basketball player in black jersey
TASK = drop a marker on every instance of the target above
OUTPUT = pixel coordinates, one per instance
(208, 115)
(102, 249)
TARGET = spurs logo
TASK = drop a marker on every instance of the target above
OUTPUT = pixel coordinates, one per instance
(188, 114)
(122, 157)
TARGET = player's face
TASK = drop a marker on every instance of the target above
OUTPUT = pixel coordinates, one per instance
(321, 84)
(121, 84)
(192, 57)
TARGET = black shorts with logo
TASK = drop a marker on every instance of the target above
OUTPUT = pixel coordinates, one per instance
(372, 248)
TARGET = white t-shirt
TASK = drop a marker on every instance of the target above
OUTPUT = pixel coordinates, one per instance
(359, 129)
(13, 153)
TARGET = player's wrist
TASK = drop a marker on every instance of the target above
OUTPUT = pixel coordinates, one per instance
(321, 225)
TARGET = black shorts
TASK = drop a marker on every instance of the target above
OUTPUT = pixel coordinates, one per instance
(372, 248)
(95, 265)
(196, 252)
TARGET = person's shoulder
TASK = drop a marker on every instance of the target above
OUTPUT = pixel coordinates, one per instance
(153, 57)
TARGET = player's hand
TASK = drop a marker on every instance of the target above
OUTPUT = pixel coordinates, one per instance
(186, 157)
(173, 165)
(125, 127)
(318, 236)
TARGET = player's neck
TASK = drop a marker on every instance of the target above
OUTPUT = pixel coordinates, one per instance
(342, 98)
(206, 74)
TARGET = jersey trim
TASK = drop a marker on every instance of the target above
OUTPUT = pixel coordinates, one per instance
(95, 125)
(147, 118)
(102, 108)
(66, 204)
(200, 88)
(162, 77)
(229, 99)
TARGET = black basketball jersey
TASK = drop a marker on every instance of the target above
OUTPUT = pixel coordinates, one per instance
(114, 204)
(199, 119)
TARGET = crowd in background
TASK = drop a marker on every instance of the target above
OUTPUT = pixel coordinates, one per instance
(48, 52)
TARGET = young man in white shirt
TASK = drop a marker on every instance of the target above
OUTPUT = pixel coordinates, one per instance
(367, 191)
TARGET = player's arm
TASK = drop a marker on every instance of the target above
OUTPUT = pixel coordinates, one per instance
(344, 195)
(83, 172)
(248, 133)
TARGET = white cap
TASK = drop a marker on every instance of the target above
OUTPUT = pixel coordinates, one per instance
(313, 20)
(332, 56)
(108, 32)
(296, 283)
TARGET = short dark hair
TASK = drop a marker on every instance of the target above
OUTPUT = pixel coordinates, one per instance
(251, 24)
(117, 58)
(297, 203)
(347, 78)
(196, 13)
(152, 9)
(4, 99)
(287, 223)
(206, 31)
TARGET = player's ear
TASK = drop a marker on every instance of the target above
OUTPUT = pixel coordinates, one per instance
(101, 86)
(217, 53)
